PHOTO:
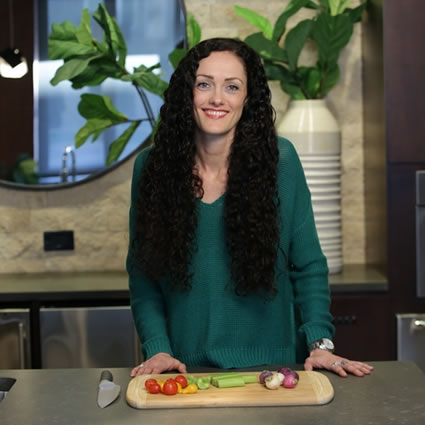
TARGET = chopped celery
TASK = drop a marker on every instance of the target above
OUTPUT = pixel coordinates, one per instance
(203, 382)
(249, 379)
(235, 381)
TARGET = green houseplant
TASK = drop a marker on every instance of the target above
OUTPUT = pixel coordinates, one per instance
(308, 122)
(330, 30)
(89, 62)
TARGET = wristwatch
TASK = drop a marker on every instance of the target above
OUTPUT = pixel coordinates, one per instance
(322, 343)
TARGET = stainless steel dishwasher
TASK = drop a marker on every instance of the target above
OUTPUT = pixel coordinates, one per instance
(411, 325)
(15, 343)
(85, 337)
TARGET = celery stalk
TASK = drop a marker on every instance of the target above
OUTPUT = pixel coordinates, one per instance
(229, 382)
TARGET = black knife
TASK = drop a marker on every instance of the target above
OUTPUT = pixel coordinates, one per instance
(108, 390)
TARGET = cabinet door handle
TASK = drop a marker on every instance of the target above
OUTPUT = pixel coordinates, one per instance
(21, 339)
(420, 233)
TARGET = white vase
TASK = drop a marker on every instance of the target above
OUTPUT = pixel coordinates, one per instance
(315, 133)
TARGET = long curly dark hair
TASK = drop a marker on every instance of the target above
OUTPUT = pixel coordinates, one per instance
(167, 213)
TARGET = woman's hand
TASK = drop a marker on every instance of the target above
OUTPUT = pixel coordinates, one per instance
(322, 359)
(159, 363)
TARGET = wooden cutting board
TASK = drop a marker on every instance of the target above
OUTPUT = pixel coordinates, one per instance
(313, 388)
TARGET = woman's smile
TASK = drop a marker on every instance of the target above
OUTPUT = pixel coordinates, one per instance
(214, 113)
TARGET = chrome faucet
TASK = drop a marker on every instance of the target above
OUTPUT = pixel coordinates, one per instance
(69, 150)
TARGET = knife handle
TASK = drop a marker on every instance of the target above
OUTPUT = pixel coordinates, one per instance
(106, 375)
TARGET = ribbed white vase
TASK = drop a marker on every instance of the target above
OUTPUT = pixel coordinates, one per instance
(315, 133)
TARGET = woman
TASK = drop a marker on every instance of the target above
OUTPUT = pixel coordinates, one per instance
(225, 265)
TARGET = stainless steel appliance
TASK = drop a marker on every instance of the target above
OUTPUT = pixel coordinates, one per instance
(411, 326)
(84, 337)
(15, 343)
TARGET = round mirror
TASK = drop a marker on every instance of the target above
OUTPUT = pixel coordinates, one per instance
(50, 159)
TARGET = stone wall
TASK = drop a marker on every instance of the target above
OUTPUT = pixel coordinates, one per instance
(97, 211)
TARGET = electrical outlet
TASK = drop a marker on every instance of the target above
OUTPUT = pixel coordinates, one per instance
(59, 241)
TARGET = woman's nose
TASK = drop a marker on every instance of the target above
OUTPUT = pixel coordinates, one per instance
(216, 97)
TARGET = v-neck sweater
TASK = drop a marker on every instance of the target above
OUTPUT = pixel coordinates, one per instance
(212, 326)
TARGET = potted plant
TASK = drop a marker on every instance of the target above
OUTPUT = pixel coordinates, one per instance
(89, 62)
(308, 123)
(330, 29)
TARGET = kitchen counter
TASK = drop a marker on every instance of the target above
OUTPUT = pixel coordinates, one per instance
(114, 285)
(393, 394)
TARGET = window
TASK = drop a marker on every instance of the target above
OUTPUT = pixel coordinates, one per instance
(152, 29)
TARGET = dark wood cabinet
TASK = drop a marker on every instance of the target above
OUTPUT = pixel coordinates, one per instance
(394, 132)
(404, 91)
(363, 326)
(16, 99)
(404, 70)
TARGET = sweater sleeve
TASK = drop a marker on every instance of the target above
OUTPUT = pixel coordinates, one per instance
(146, 298)
(308, 265)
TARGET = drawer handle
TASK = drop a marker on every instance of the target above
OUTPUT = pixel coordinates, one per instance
(417, 325)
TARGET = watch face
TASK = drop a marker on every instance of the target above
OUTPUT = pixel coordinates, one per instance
(328, 344)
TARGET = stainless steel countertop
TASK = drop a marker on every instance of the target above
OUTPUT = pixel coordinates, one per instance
(393, 394)
(65, 286)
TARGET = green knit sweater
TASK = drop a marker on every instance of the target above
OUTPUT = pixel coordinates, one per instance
(212, 326)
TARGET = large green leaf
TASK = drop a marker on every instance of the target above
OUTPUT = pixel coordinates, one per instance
(118, 145)
(71, 68)
(295, 41)
(293, 90)
(331, 33)
(66, 40)
(280, 26)
(311, 5)
(176, 56)
(84, 35)
(356, 13)
(64, 49)
(63, 31)
(122, 46)
(268, 49)
(276, 72)
(330, 80)
(92, 127)
(338, 6)
(91, 76)
(145, 78)
(311, 79)
(193, 31)
(101, 107)
(113, 36)
(256, 19)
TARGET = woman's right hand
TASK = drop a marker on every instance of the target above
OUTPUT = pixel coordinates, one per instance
(159, 363)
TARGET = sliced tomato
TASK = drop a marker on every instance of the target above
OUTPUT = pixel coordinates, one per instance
(149, 382)
(170, 387)
(154, 388)
(181, 380)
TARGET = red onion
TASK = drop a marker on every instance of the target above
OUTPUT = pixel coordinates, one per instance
(285, 371)
(264, 374)
(290, 381)
(295, 374)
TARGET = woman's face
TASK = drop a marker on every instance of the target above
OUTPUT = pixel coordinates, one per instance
(219, 94)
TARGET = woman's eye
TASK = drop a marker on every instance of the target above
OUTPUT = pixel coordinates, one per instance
(232, 87)
(202, 85)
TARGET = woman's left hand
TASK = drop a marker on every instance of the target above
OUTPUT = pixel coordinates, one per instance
(322, 359)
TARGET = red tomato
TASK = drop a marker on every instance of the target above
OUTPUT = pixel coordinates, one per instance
(149, 382)
(170, 387)
(181, 380)
(154, 388)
